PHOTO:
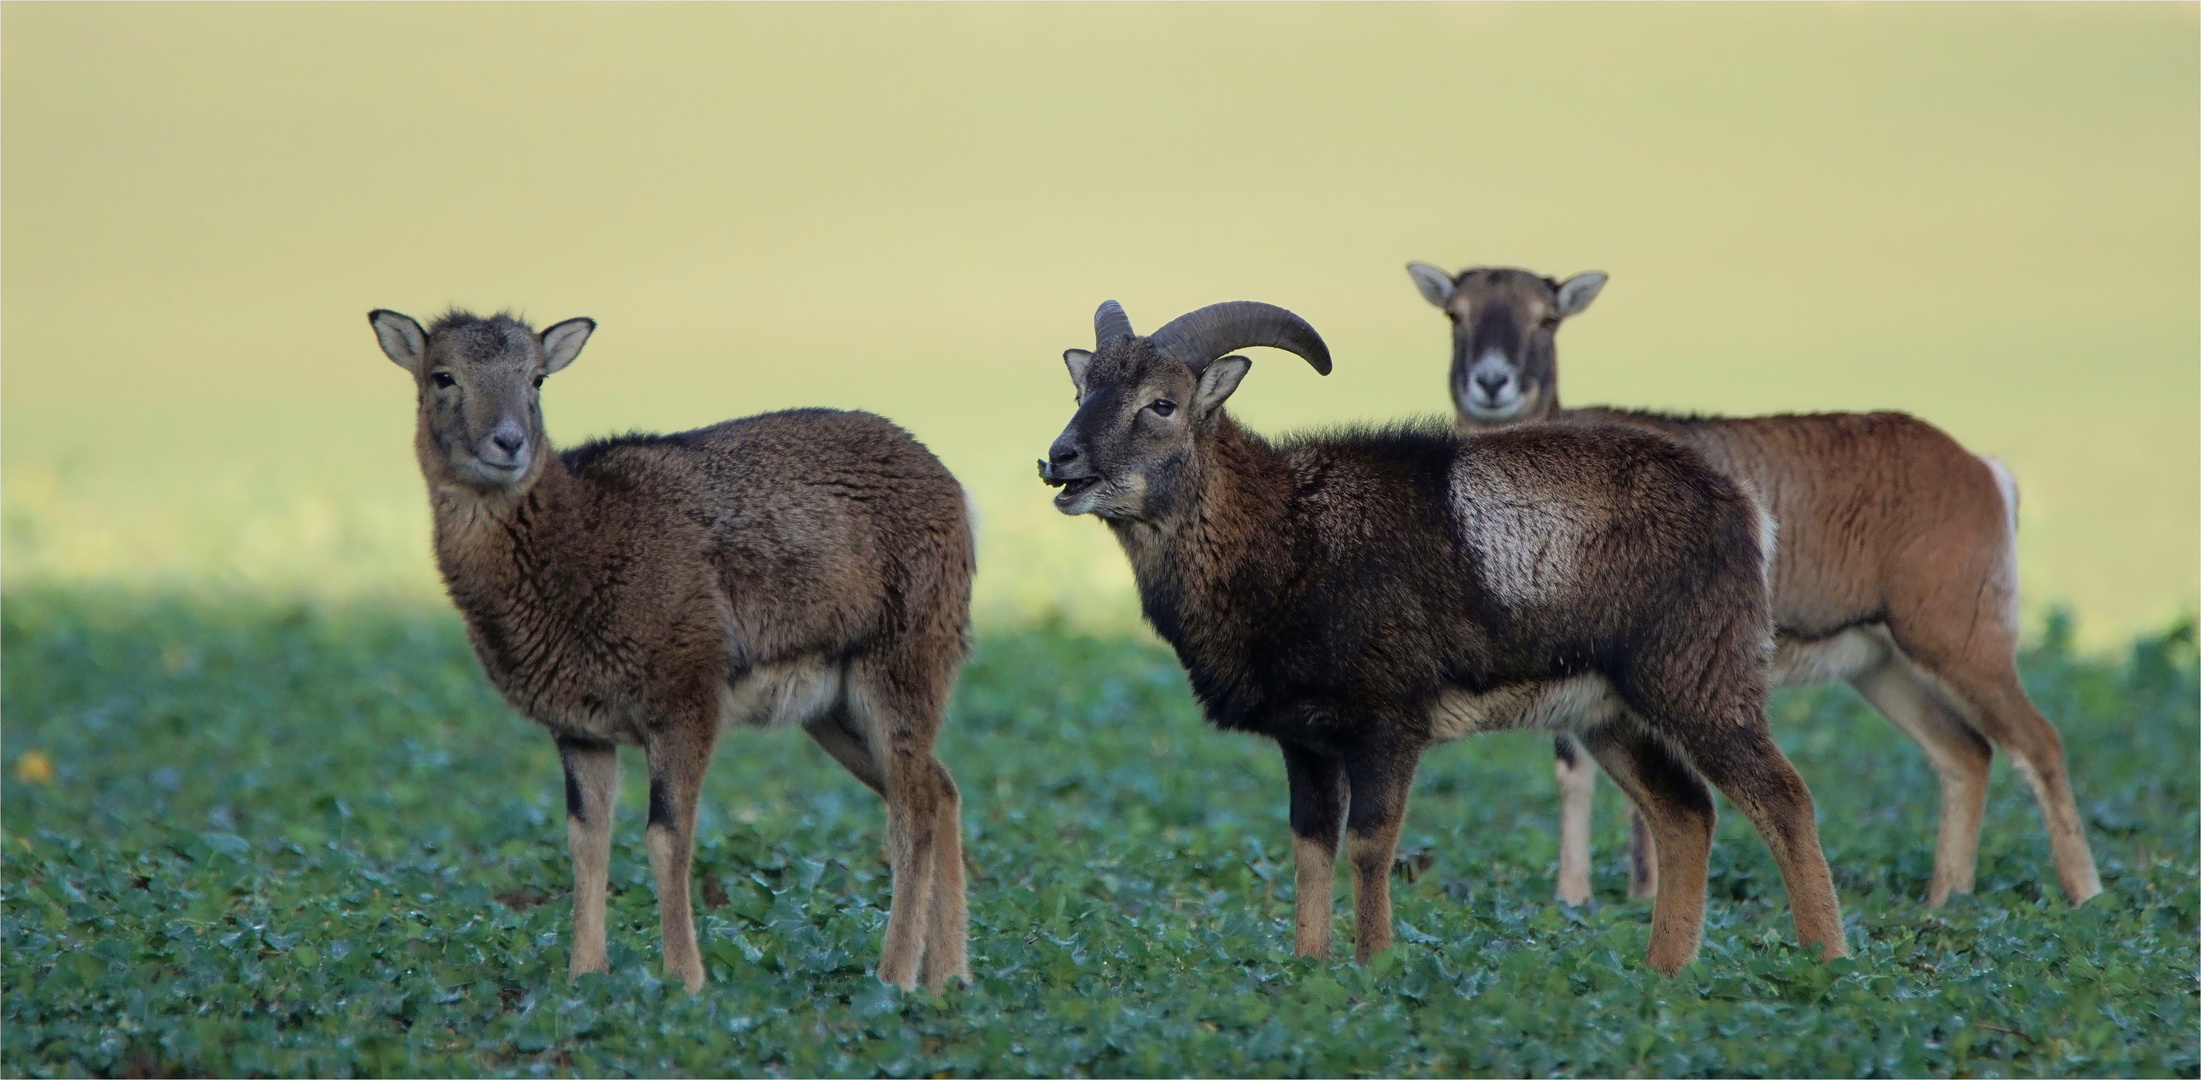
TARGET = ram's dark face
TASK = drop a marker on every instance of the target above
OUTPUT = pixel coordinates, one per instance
(479, 383)
(1504, 360)
(1123, 453)
(1144, 403)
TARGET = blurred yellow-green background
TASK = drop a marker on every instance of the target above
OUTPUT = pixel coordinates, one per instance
(1984, 214)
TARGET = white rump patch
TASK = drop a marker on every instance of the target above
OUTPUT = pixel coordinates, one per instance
(2007, 485)
(782, 695)
(1583, 701)
(1527, 542)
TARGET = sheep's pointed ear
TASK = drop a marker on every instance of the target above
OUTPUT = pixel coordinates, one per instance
(1435, 285)
(1576, 293)
(1219, 380)
(401, 338)
(561, 343)
(1079, 362)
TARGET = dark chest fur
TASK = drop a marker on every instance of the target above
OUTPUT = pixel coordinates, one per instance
(1321, 590)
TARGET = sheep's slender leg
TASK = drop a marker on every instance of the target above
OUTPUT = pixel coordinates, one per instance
(1955, 620)
(1380, 778)
(947, 947)
(1577, 790)
(1741, 760)
(1960, 756)
(2036, 751)
(1318, 811)
(914, 800)
(1984, 680)
(1678, 809)
(592, 791)
(679, 755)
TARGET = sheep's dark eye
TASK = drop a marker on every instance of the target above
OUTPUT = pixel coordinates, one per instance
(539, 382)
(443, 380)
(1163, 407)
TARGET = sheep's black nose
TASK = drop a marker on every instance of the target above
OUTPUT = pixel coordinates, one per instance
(509, 441)
(1062, 453)
(1491, 383)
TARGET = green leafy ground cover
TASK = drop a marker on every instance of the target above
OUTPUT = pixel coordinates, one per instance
(302, 840)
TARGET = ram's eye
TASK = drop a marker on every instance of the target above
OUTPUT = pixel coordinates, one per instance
(539, 381)
(1551, 322)
(443, 380)
(1163, 407)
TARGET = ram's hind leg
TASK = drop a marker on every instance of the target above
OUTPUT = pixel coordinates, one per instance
(1669, 797)
(592, 791)
(1739, 757)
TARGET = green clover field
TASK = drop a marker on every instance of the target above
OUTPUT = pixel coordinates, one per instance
(308, 839)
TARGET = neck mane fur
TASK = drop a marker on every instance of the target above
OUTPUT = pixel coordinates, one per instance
(1201, 575)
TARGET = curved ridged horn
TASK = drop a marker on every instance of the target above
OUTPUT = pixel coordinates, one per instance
(1198, 337)
(1110, 325)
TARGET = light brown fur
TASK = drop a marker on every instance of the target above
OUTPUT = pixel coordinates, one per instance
(1895, 571)
(805, 568)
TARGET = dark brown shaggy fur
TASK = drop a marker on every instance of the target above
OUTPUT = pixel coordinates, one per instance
(1361, 595)
(810, 567)
(1896, 571)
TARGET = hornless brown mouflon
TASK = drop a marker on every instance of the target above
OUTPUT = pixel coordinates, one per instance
(1896, 568)
(1359, 596)
(810, 567)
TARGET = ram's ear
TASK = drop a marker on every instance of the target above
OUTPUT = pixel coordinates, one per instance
(1576, 293)
(1079, 362)
(1218, 380)
(1435, 285)
(401, 338)
(562, 343)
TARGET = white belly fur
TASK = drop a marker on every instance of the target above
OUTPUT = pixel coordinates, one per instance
(1586, 701)
(1829, 659)
(1558, 705)
(783, 695)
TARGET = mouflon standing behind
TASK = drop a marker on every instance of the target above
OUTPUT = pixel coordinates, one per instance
(810, 567)
(1896, 569)
(1360, 596)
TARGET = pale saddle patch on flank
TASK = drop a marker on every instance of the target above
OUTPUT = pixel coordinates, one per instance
(1527, 540)
(787, 694)
(1559, 705)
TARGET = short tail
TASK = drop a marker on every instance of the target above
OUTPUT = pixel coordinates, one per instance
(970, 518)
(2008, 485)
